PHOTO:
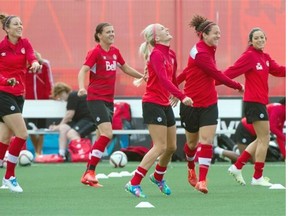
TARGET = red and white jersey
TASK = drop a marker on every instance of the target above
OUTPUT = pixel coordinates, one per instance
(256, 66)
(39, 85)
(200, 75)
(161, 83)
(13, 63)
(103, 67)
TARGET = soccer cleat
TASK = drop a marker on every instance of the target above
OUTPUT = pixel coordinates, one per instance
(192, 177)
(136, 190)
(89, 178)
(164, 188)
(262, 181)
(202, 187)
(12, 184)
(237, 174)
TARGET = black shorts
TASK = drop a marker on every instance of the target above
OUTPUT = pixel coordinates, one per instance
(84, 127)
(10, 104)
(39, 123)
(243, 136)
(101, 111)
(157, 114)
(255, 112)
(192, 118)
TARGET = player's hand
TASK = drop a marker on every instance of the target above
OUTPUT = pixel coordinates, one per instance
(242, 90)
(82, 92)
(187, 101)
(174, 101)
(35, 67)
(12, 81)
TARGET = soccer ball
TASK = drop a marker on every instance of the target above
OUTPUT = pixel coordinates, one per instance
(118, 159)
(25, 158)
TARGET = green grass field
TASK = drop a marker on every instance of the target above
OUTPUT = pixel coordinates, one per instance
(55, 189)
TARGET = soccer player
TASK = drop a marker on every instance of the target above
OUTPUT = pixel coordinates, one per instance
(101, 62)
(15, 51)
(200, 121)
(256, 65)
(38, 87)
(157, 112)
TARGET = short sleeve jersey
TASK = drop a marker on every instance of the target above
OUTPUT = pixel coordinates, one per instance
(103, 65)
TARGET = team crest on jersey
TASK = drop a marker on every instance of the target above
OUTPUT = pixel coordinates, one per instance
(114, 57)
(3, 54)
(259, 66)
(104, 57)
(23, 50)
(267, 63)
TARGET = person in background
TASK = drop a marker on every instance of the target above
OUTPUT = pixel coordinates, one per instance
(246, 134)
(200, 121)
(101, 62)
(157, 111)
(77, 122)
(38, 87)
(256, 65)
(15, 51)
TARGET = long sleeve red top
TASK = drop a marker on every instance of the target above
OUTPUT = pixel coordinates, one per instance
(200, 75)
(256, 66)
(13, 62)
(161, 83)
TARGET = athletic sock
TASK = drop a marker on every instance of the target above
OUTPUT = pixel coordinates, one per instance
(218, 150)
(204, 159)
(190, 156)
(97, 151)
(242, 159)
(159, 172)
(138, 176)
(13, 154)
(3, 149)
(258, 169)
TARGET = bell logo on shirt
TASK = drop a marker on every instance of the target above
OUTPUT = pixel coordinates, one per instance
(111, 67)
(23, 50)
(259, 66)
(3, 54)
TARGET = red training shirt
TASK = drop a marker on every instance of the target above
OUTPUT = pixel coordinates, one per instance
(103, 67)
(13, 62)
(161, 83)
(256, 66)
(200, 75)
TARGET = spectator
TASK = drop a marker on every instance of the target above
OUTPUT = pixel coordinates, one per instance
(15, 52)
(77, 122)
(157, 112)
(256, 65)
(200, 121)
(38, 87)
(101, 62)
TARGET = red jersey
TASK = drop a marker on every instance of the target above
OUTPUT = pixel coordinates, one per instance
(103, 67)
(13, 62)
(200, 75)
(161, 83)
(277, 118)
(39, 85)
(256, 65)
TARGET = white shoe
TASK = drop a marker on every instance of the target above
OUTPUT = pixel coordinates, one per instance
(237, 174)
(3, 185)
(12, 184)
(262, 181)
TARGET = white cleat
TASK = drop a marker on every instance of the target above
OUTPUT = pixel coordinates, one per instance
(262, 181)
(12, 184)
(237, 174)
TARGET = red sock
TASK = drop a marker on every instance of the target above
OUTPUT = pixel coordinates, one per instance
(138, 176)
(14, 151)
(282, 147)
(159, 172)
(190, 156)
(204, 159)
(242, 160)
(258, 169)
(3, 149)
(97, 151)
